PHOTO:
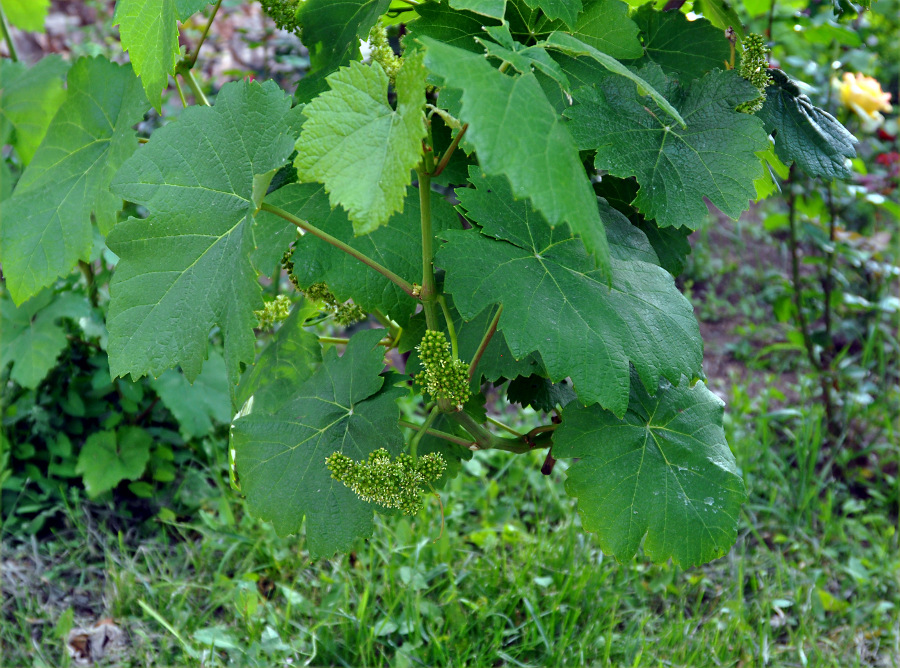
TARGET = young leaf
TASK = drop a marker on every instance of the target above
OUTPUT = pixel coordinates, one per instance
(439, 22)
(149, 32)
(714, 157)
(281, 457)
(397, 246)
(46, 225)
(29, 98)
(109, 457)
(186, 8)
(663, 470)
(722, 15)
(198, 405)
(27, 15)
(30, 336)
(566, 10)
(684, 49)
(554, 302)
(805, 134)
(517, 133)
(186, 268)
(605, 25)
(362, 149)
(331, 32)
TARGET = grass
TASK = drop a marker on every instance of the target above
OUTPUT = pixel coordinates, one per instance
(814, 578)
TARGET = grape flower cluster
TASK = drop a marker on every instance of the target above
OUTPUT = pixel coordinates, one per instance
(392, 483)
(345, 313)
(443, 377)
(382, 52)
(274, 312)
(755, 69)
(283, 12)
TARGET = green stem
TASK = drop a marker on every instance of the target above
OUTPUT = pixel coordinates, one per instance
(180, 92)
(340, 340)
(450, 150)
(195, 87)
(193, 59)
(414, 443)
(503, 426)
(340, 245)
(485, 341)
(7, 35)
(428, 290)
(438, 434)
(485, 440)
(91, 280)
(450, 327)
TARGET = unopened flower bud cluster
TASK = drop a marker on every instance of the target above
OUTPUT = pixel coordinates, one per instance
(345, 313)
(382, 52)
(274, 312)
(444, 377)
(755, 69)
(392, 483)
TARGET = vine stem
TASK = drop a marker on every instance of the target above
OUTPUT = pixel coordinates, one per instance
(414, 443)
(485, 440)
(437, 434)
(193, 59)
(450, 327)
(195, 87)
(7, 36)
(445, 159)
(505, 427)
(428, 290)
(485, 341)
(404, 285)
(340, 340)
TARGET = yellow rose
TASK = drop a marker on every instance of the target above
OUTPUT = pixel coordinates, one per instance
(864, 96)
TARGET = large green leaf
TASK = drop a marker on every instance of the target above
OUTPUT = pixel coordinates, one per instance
(493, 8)
(518, 134)
(684, 49)
(200, 405)
(281, 457)
(565, 10)
(291, 357)
(397, 246)
(31, 338)
(109, 457)
(605, 25)
(28, 15)
(805, 134)
(46, 225)
(713, 158)
(186, 268)
(556, 303)
(443, 24)
(29, 97)
(663, 471)
(149, 32)
(360, 147)
(331, 31)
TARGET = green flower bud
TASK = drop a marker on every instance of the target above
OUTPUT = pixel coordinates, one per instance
(755, 69)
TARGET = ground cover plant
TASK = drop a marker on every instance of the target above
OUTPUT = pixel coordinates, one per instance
(377, 271)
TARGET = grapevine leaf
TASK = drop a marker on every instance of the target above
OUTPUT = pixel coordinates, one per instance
(109, 457)
(606, 26)
(443, 24)
(362, 149)
(670, 243)
(149, 32)
(492, 8)
(46, 225)
(540, 393)
(186, 268)
(197, 406)
(397, 246)
(517, 133)
(684, 49)
(804, 133)
(523, 58)
(722, 15)
(31, 338)
(187, 8)
(27, 15)
(566, 10)
(29, 98)
(555, 303)
(575, 47)
(664, 470)
(281, 457)
(331, 31)
(714, 157)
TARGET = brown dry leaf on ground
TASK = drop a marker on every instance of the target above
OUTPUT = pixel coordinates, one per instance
(103, 640)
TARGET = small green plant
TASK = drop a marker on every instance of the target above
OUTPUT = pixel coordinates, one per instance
(446, 193)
